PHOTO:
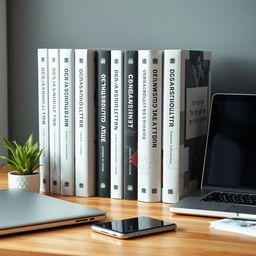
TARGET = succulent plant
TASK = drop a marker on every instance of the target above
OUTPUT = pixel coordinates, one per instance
(22, 158)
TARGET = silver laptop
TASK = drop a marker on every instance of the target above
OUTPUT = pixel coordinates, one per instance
(24, 211)
(228, 186)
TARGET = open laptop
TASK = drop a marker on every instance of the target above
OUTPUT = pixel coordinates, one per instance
(228, 186)
(25, 211)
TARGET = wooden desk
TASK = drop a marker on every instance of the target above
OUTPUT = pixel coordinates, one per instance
(192, 237)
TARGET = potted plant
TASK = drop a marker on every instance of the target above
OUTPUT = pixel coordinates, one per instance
(23, 161)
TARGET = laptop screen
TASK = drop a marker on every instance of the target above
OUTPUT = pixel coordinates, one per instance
(231, 149)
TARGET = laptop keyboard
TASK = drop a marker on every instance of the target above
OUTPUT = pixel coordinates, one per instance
(228, 197)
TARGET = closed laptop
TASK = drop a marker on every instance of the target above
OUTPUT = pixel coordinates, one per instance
(24, 211)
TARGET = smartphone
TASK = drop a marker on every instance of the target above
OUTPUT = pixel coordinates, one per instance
(133, 227)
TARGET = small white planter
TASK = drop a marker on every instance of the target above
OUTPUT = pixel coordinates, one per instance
(27, 182)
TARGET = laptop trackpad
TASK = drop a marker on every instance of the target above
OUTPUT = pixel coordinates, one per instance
(242, 209)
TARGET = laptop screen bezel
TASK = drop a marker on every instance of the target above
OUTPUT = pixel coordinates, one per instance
(204, 185)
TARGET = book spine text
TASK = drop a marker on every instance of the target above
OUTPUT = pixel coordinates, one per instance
(67, 121)
(43, 119)
(116, 124)
(103, 124)
(149, 126)
(130, 124)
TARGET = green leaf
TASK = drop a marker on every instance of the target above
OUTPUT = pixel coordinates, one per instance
(8, 144)
(22, 158)
(10, 166)
(5, 157)
(36, 167)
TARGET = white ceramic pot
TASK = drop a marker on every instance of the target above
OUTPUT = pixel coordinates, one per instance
(27, 182)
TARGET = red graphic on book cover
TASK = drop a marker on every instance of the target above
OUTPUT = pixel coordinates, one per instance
(134, 158)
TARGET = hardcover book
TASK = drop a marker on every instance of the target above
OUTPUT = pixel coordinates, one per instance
(186, 96)
(43, 115)
(116, 124)
(149, 125)
(54, 120)
(130, 124)
(67, 121)
(103, 123)
(84, 122)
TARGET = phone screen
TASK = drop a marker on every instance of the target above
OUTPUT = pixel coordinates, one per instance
(138, 224)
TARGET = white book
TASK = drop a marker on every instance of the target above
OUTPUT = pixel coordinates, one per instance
(84, 122)
(116, 124)
(186, 100)
(67, 135)
(43, 117)
(54, 120)
(245, 227)
(149, 125)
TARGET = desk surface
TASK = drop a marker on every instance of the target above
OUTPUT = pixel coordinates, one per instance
(192, 237)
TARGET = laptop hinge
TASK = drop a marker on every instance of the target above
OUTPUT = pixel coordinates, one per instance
(228, 189)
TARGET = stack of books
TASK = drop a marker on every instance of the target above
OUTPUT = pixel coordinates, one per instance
(123, 124)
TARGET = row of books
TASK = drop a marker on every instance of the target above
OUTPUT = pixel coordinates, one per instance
(123, 124)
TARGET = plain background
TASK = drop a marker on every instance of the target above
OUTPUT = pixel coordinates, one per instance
(225, 27)
(3, 77)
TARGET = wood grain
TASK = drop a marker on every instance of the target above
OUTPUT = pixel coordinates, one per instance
(192, 237)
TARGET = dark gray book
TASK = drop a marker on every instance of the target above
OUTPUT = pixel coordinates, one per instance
(103, 123)
(130, 124)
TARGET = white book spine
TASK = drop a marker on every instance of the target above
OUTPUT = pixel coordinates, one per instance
(43, 119)
(171, 125)
(84, 123)
(116, 123)
(54, 120)
(149, 125)
(67, 121)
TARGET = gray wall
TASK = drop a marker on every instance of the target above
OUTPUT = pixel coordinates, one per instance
(225, 27)
(3, 77)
